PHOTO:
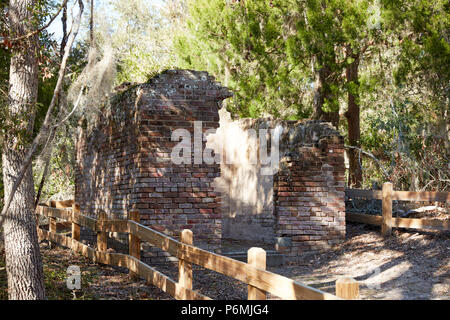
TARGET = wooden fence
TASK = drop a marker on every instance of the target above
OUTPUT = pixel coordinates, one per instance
(259, 281)
(387, 195)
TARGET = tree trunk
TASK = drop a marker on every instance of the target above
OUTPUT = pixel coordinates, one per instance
(353, 121)
(322, 94)
(23, 260)
(91, 26)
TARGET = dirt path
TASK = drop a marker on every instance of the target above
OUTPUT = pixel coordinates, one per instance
(408, 265)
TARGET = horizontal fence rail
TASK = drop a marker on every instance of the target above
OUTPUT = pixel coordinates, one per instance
(252, 273)
(122, 260)
(400, 195)
(386, 221)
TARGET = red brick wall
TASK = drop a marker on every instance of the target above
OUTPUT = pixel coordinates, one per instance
(309, 197)
(125, 161)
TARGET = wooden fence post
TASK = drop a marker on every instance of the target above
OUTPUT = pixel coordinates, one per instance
(51, 224)
(134, 243)
(386, 224)
(76, 231)
(52, 228)
(37, 215)
(347, 288)
(184, 267)
(257, 258)
(102, 238)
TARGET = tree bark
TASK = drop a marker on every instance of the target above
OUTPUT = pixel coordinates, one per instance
(64, 29)
(353, 120)
(23, 259)
(322, 94)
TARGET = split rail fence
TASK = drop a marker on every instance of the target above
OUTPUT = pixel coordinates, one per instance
(259, 281)
(386, 221)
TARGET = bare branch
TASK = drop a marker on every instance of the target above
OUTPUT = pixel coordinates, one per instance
(42, 28)
(385, 173)
(73, 109)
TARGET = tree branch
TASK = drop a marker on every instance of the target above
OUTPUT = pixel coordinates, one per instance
(385, 173)
(42, 28)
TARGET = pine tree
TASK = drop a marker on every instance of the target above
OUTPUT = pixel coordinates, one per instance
(286, 58)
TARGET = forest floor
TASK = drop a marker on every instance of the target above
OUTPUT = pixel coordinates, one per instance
(408, 265)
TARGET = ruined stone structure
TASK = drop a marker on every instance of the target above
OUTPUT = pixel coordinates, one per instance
(123, 162)
(301, 207)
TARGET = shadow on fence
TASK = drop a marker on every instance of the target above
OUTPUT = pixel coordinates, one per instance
(253, 273)
(386, 221)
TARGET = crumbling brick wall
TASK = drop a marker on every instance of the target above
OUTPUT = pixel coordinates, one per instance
(301, 207)
(247, 195)
(124, 162)
(124, 159)
(309, 191)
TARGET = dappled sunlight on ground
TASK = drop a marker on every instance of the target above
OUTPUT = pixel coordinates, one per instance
(407, 265)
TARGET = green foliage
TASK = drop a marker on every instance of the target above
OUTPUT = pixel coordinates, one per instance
(405, 87)
(240, 44)
(425, 51)
(269, 52)
(412, 149)
(60, 181)
(139, 33)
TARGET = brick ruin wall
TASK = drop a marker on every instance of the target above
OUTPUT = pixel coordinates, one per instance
(301, 207)
(309, 192)
(246, 194)
(123, 162)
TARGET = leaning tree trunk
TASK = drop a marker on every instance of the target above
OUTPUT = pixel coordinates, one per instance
(23, 260)
(353, 120)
